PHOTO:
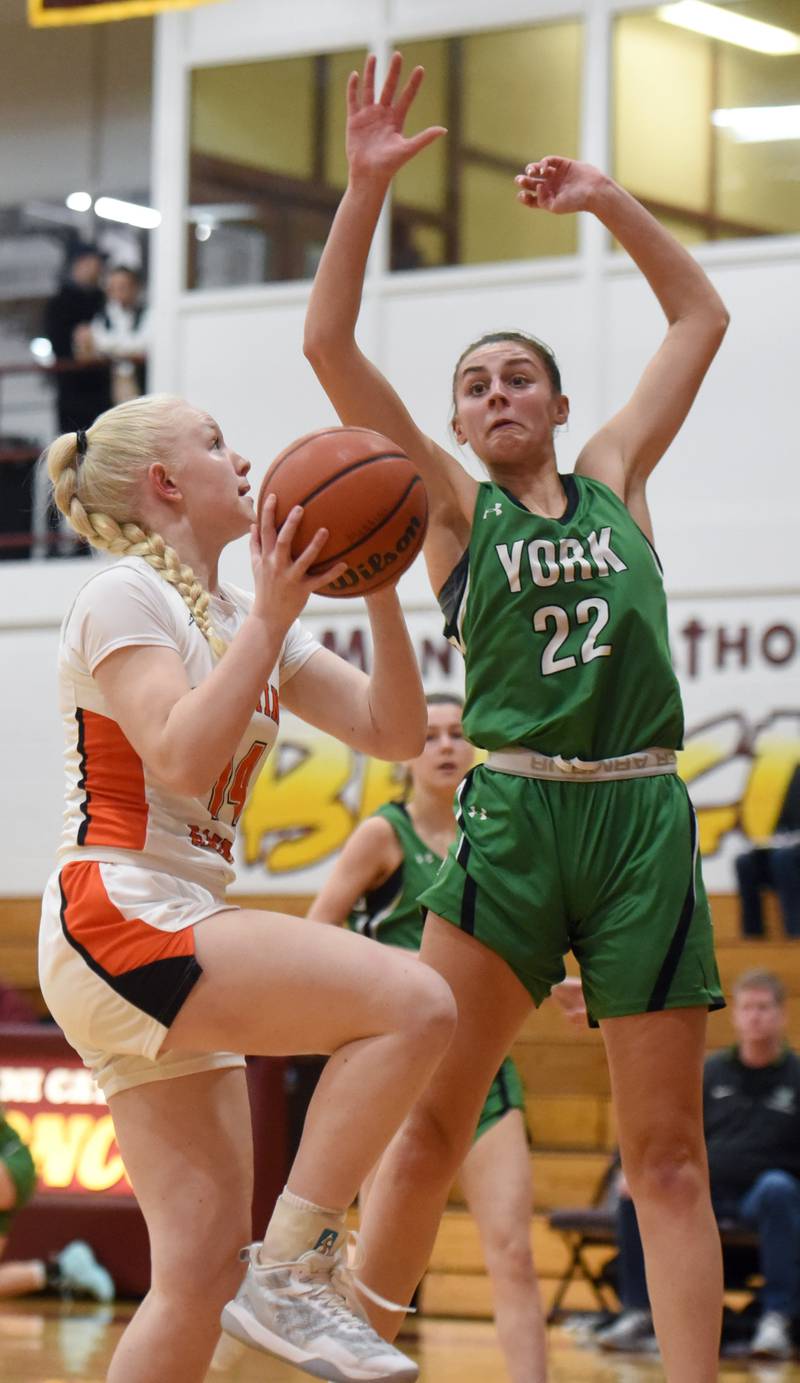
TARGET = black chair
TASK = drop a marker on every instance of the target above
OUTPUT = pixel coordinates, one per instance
(595, 1226)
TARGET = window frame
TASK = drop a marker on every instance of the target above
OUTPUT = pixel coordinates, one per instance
(207, 37)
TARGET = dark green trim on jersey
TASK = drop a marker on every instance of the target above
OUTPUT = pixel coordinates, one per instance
(469, 897)
(391, 911)
(452, 594)
(658, 561)
(468, 901)
(571, 491)
(382, 899)
(666, 975)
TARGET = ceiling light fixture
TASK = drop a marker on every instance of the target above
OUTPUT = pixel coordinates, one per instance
(128, 213)
(759, 124)
(79, 201)
(716, 22)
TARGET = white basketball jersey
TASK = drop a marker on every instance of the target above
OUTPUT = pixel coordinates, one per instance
(115, 809)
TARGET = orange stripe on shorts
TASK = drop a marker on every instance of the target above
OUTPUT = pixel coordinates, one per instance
(117, 944)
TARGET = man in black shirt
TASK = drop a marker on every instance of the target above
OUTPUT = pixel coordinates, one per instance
(751, 1113)
(81, 394)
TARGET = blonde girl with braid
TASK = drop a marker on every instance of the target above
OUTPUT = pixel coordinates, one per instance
(171, 683)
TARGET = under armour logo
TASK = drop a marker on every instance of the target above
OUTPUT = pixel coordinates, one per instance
(495, 509)
(479, 812)
(424, 859)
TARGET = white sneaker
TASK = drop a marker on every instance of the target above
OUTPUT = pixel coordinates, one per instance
(773, 1337)
(307, 1313)
(632, 1330)
(79, 1271)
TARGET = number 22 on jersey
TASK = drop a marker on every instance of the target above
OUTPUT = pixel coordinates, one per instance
(594, 612)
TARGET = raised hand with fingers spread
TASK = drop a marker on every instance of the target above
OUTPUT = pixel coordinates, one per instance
(375, 143)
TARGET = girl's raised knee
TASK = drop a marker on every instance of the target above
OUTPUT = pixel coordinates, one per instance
(432, 1008)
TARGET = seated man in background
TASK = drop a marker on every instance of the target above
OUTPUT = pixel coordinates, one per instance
(775, 864)
(751, 1113)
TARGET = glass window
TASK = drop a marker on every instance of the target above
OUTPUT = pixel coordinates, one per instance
(707, 130)
(506, 97)
(267, 167)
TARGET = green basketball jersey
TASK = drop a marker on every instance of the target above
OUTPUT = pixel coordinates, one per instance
(391, 912)
(563, 627)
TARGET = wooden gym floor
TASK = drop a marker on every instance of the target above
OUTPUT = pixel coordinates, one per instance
(47, 1342)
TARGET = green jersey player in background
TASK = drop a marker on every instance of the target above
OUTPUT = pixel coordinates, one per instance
(389, 860)
(576, 833)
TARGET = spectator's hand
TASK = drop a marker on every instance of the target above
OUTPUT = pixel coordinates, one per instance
(83, 346)
(569, 997)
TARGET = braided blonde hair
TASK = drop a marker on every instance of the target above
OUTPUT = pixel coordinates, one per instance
(98, 492)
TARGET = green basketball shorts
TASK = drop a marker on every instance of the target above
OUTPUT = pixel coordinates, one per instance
(17, 1159)
(608, 870)
(506, 1093)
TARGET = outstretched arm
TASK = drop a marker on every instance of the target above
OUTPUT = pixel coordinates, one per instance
(370, 855)
(376, 150)
(384, 713)
(626, 449)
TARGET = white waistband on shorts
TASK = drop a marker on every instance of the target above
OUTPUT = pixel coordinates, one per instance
(529, 763)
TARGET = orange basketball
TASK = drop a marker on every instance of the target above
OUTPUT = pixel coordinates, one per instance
(365, 491)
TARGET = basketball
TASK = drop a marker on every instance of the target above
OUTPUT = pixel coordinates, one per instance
(365, 491)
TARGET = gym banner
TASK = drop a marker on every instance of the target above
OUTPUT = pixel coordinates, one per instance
(737, 661)
(56, 1109)
(51, 12)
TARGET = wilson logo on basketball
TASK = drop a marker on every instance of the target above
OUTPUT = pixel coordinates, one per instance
(378, 564)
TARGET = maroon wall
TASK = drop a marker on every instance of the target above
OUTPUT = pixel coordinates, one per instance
(113, 1224)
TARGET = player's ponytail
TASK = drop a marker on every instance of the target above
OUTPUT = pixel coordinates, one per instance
(96, 477)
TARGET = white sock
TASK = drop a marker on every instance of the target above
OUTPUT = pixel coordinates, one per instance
(297, 1201)
(297, 1225)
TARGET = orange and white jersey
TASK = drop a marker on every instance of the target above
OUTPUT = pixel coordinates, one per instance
(116, 810)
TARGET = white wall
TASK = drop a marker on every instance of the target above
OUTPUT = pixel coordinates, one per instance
(74, 107)
(726, 499)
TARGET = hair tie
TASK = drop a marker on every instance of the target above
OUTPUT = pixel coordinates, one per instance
(81, 444)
